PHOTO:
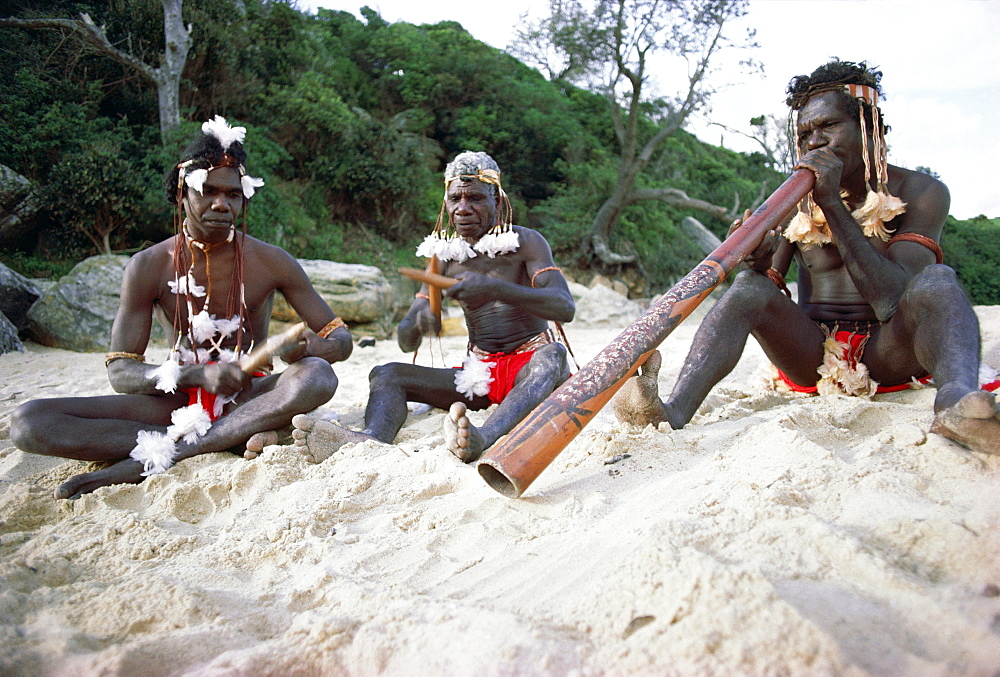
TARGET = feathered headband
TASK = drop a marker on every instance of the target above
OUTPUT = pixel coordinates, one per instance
(227, 135)
(445, 243)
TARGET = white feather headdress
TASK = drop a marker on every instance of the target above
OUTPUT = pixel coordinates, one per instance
(220, 129)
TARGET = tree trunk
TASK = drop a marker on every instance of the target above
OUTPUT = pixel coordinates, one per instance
(607, 216)
(166, 78)
(604, 222)
(168, 75)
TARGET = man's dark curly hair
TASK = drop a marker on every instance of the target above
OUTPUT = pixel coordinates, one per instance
(207, 152)
(828, 77)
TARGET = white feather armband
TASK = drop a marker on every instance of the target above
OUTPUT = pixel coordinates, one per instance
(474, 378)
(166, 376)
(155, 451)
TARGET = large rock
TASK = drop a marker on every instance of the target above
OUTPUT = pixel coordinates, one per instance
(19, 203)
(603, 306)
(361, 295)
(77, 312)
(17, 293)
(9, 341)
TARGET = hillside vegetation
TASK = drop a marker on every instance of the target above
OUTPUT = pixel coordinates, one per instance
(350, 122)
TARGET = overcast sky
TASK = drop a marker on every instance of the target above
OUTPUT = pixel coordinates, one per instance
(940, 60)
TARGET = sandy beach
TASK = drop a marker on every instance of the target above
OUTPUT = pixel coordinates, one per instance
(772, 536)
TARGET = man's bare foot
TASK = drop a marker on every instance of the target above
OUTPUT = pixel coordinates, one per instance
(463, 439)
(317, 439)
(267, 438)
(638, 401)
(973, 421)
(127, 471)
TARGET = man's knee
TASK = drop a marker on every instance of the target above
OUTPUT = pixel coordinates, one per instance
(552, 353)
(935, 275)
(750, 288)
(26, 426)
(383, 375)
(934, 285)
(317, 377)
(550, 359)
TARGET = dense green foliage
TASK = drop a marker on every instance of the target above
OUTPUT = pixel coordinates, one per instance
(970, 247)
(350, 123)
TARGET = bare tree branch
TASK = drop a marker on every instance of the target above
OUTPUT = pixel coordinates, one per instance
(85, 29)
(165, 78)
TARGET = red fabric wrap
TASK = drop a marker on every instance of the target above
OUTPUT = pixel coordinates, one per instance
(852, 353)
(504, 369)
(206, 399)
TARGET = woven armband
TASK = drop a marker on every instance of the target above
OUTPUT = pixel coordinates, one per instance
(331, 326)
(121, 355)
(543, 270)
(919, 239)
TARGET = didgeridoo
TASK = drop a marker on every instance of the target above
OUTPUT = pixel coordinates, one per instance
(513, 464)
(273, 347)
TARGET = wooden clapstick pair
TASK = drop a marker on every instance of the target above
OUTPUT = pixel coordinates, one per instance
(434, 280)
(273, 347)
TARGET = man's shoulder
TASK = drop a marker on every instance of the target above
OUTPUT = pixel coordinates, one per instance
(909, 185)
(266, 249)
(529, 235)
(158, 252)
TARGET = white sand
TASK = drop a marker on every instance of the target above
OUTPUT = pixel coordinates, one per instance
(772, 536)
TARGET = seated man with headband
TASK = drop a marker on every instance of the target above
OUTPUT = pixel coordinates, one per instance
(509, 289)
(876, 308)
(212, 289)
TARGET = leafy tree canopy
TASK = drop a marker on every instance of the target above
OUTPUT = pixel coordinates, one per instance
(350, 122)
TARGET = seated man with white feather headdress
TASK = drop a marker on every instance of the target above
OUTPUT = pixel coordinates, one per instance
(212, 289)
(509, 289)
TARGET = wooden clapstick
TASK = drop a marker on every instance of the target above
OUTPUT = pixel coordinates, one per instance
(273, 347)
(433, 279)
(434, 292)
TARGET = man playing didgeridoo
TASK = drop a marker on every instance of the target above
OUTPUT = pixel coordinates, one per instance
(509, 289)
(875, 304)
(212, 289)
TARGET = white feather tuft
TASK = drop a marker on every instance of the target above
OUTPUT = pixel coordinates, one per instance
(227, 327)
(487, 245)
(166, 376)
(189, 423)
(220, 129)
(493, 244)
(507, 242)
(196, 179)
(457, 249)
(250, 185)
(432, 245)
(184, 284)
(155, 451)
(474, 378)
(203, 326)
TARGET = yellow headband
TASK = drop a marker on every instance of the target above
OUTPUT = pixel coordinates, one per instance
(490, 176)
